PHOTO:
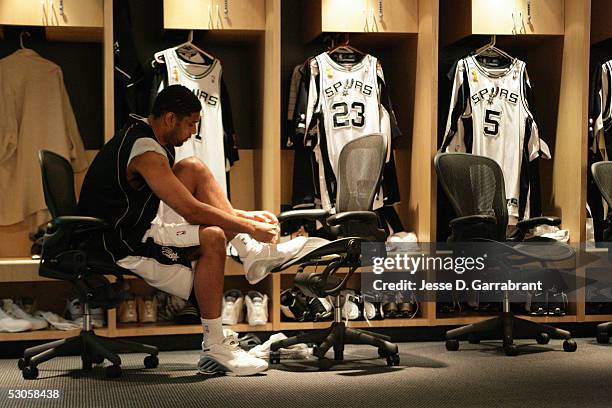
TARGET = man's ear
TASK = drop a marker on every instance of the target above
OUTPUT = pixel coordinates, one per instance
(170, 119)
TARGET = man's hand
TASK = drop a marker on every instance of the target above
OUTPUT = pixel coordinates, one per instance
(265, 232)
(260, 216)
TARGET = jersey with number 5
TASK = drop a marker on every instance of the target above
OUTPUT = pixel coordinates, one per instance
(490, 116)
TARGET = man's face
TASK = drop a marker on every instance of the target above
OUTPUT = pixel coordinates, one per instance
(183, 128)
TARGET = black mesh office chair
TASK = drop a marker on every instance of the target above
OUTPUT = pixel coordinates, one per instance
(475, 187)
(359, 174)
(602, 174)
(65, 257)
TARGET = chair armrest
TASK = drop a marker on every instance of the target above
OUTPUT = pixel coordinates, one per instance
(74, 221)
(469, 220)
(310, 215)
(341, 218)
(529, 223)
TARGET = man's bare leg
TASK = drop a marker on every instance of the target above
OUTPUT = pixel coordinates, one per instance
(209, 272)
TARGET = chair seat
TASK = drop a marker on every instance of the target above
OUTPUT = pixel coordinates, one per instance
(537, 249)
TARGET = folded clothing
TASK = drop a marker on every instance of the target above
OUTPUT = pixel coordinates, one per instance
(298, 351)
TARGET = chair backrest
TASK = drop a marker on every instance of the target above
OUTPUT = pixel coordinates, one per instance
(602, 174)
(475, 186)
(360, 167)
(58, 184)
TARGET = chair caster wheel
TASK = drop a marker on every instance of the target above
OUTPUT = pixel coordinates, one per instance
(21, 364)
(97, 359)
(274, 357)
(113, 371)
(452, 345)
(393, 360)
(151, 361)
(569, 345)
(543, 338)
(29, 373)
(603, 338)
(473, 339)
(87, 363)
(510, 350)
(325, 364)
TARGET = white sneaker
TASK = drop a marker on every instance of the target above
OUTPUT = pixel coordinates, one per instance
(262, 258)
(74, 308)
(227, 357)
(233, 307)
(14, 311)
(257, 308)
(12, 325)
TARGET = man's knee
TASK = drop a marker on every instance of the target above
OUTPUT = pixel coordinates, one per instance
(212, 239)
(191, 166)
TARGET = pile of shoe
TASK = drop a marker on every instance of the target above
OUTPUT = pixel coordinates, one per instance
(550, 302)
(138, 309)
(295, 306)
(13, 317)
(235, 303)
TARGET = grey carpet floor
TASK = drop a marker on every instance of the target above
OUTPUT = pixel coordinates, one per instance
(428, 376)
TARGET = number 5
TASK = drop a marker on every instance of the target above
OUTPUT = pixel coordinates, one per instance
(491, 127)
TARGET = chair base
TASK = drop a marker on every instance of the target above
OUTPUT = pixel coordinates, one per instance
(91, 347)
(505, 325)
(336, 336)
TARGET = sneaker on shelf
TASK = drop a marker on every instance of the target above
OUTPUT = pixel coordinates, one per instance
(257, 308)
(228, 358)
(11, 324)
(262, 258)
(147, 309)
(233, 307)
(320, 308)
(350, 309)
(128, 311)
(293, 305)
(13, 310)
(74, 309)
(189, 314)
(27, 304)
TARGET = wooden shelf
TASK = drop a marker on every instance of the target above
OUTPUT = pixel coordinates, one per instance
(170, 328)
(75, 34)
(49, 334)
(598, 318)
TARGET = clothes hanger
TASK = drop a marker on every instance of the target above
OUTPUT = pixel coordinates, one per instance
(490, 48)
(344, 49)
(188, 45)
(21, 39)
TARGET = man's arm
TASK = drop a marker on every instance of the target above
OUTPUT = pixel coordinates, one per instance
(158, 175)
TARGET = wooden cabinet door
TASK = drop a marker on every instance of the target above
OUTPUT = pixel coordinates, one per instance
(76, 13)
(512, 17)
(215, 14)
(358, 16)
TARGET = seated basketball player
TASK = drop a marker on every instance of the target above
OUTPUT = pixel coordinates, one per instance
(171, 221)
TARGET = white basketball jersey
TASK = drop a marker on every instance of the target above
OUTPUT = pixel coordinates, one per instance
(349, 101)
(205, 82)
(499, 116)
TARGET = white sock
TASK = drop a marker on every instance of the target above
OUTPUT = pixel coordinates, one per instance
(243, 244)
(213, 331)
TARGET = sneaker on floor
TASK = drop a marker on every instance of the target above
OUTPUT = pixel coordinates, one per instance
(12, 325)
(14, 311)
(262, 258)
(128, 311)
(233, 307)
(257, 308)
(229, 359)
